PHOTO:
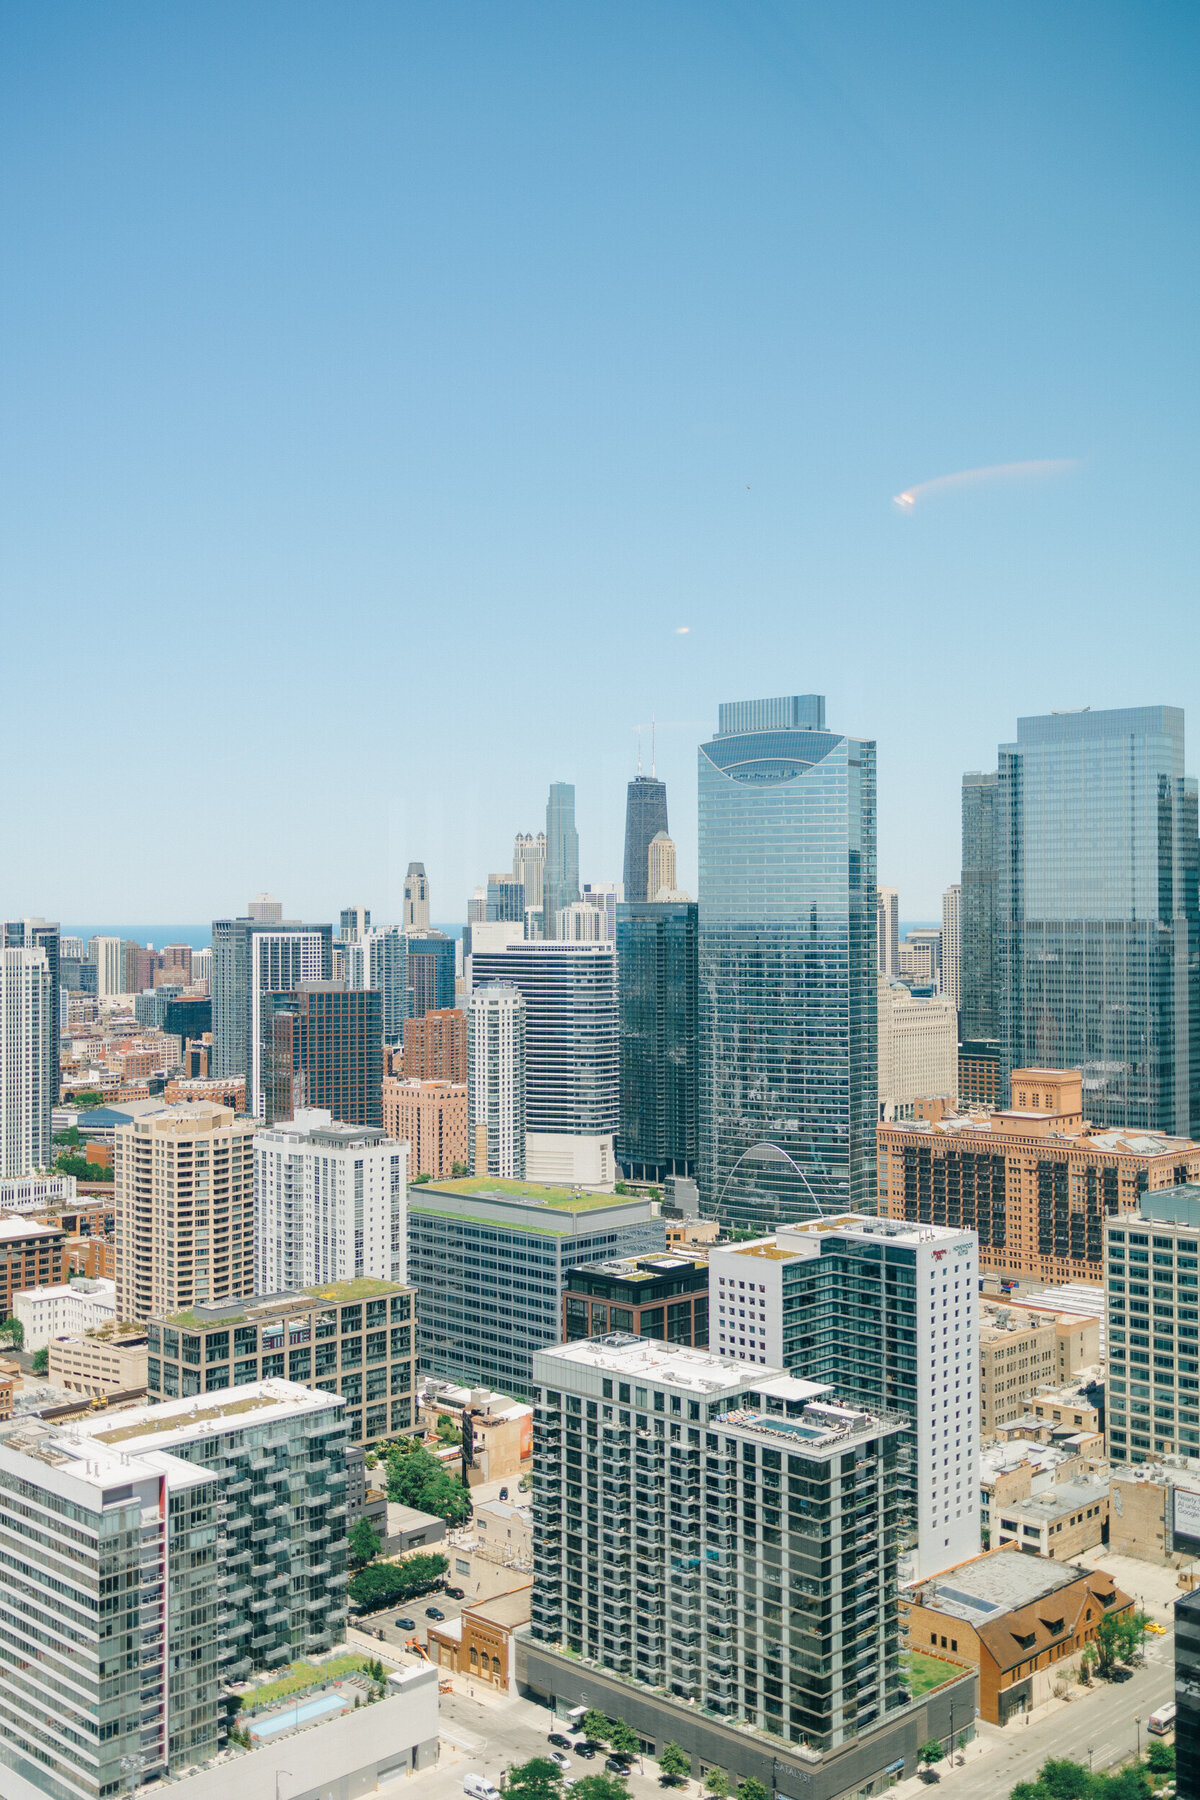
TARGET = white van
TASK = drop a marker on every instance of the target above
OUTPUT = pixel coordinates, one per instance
(480, 1788)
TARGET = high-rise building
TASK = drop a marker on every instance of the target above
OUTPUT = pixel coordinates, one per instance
(329, 1204)
(560, 879)
(265, 909)
(605, 896)
(489, 1260)
(176, 960)
(979, 956)
(354, 924)
(890, 1311)
(658, 993)
(888, 931)
(107, 954)
(183, 1194)
(918, 1049)
(42, 934)
(529, 865)
(140, 968)
(787, 1054)
(435, 1047)
(123, 1579)
(572, 1055)
(663, 1297)
(1036, 1182)
(431, 1118)
(661, 861)
(28, 1078)
(496, 1081)
(250, 958)
(921, 956)
(645, 819)
(952, 943)
(1187, 1696)
(416, 898)
(430, 971)
(323, 1048)
(690, 1477)
(1153, 1385)
(379, 959)
(1099, 913)
(580, 923)
(201, 970)
(505, 903)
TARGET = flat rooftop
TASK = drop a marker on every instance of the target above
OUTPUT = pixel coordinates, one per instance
(208, 1414)
(1067, 1497)
(211, 1314)
(522, 1193)
(680, 1365)
(25, 1228)
(1001, 1581)
(88, 1460)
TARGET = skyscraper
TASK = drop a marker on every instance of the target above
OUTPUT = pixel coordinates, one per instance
(661, 861)
(416, 898)
(265, 909)
(354, 924)
(560, 881)
(529, 865)
(657, 988)
(430, 971)
(505, 899)
(788, 910)
(252, 957)
(41, 934)
(645, 817)
(952, 943)
(329, 1204)
(1099, 914)
(379, 959)
(323, 1047)
(496, 1081)
(979, 971)
(108, 957)
(889, 932)
(28, 1084)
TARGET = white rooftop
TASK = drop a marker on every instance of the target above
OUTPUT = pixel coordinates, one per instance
(89, 1461)
(24, 1228)
(677, 1365)
(254, 1403)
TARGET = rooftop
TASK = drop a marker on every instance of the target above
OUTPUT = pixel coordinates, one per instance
(1000, 1581)
(313, 1125)
(206, 1413)
(524, 1193)
(644, 1268)
(1067, 1497)
(24, 1228)
(211, 1314)
(679, 1365)
(87, 1460)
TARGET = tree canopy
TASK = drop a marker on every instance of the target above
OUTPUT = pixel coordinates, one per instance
(674, 1764)
(417, 1478)
(1062, 1779)
(538, 1779)
(386, 1584)
(363, 1542)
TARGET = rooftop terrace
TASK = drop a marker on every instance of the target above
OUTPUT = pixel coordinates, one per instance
(525, 1193)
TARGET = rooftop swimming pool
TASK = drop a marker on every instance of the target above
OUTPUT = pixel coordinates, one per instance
(301, 1714)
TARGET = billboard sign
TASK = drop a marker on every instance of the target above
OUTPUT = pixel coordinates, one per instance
(1186, 1519)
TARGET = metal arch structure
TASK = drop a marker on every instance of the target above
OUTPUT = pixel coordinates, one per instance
(768, 1152)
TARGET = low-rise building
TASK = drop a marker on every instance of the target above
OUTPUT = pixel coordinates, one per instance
(1074, 1408)
(35, 1193)
(220, 1090)
(107, 1360)
(31, 1255)
(1154, 1513)
(1058, 1523)
(663, 1296)
(1014, 1470)
(1016, 1355)
(63, 1309)
(497, 1431)
(1016, 1618)
(481, 1642)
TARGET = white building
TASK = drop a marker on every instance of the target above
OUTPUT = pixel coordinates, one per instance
(952, 943)
(581, 923)
(378, 958)
(34, 1193)
(108, 954)
(64, 1310)
(888, 929)
(918, 1049)
(888, 1311)
(28, 1079)
(496, 1081)
(606, 896)
(416, 898)
(330, 1204)
(202, 966)
(266, 908)
(529, 865)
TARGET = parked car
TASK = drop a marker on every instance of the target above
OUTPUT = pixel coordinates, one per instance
(457, 1593)
(585, 1750)
(406, 1624)
(616, 1765)
(434, 1612)
(504, 1493)
(559, 1741)
(564, 1762)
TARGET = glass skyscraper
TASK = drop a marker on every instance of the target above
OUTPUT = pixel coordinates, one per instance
(1097, 911)
(645, 817)
(979, 980)
(658, 997)
(560, 879)
(787, 947)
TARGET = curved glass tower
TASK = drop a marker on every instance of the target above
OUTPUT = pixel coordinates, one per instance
(787, 1052)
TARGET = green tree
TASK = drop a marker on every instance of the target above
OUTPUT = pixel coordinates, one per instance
(14, 1331)
(1118, 1639)
(930, 1752)
(753, 1790)
(623, 1739)
(363, 1543)
(41, 1361)
(447, 1497)
(458, 1170)
(716, 1783)
(596, 1725)
(1131, 1783)
(600, 1787)
(1029, 1790)
(538, 1779)
(387, 1584)
(1064, 1779)
(675, 1765)
(1161, 1757)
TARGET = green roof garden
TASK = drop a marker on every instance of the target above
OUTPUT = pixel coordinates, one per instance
(337, 1293)
(528, 1193)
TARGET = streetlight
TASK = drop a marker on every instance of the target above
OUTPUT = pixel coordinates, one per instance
(278, 1773)
(1089, 1751)
(1137, 1720)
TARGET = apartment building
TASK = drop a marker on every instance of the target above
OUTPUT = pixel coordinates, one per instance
(31, 1255)
(664, 1297)
(1016, 1355)
(1036, 1182)
(435, 1047)
(431, 1118)
(65, 1306)
(329, 1204)
(1153, 1333)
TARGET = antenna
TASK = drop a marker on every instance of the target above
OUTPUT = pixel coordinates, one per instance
(652, 758)
(639, 732)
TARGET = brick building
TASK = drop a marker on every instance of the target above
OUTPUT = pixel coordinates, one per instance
(435, 1047)
(431, 1117)
(31, 1255)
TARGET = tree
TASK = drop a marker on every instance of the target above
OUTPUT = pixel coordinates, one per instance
(753, 1790)
(458, 1170)
(675, 1765)
(600, 1787)
(716, 1783)
(1161, 1757)
(386, 1584)
(538, 1779)
(1127, 1784)
(623, 1739)
(1118, 1639)
(596, 1726)
(930, 1752)
(447, 1497)
(1064, 1779)
(363, 1542)
(41, 1361)
(14, 1331)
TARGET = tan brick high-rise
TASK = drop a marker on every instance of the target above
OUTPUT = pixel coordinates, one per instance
(435, 1047)
(184, 1194)
(431, 1117)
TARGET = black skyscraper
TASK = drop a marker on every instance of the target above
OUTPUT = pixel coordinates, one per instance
(979, 955)
(645, 817)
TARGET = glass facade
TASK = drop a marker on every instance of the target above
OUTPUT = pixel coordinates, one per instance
(658, 994)
(1153, 1309)
(430, 972)
(1098, 914)
(787, 968)
(645, 816)
(979, 994)
(560, 876)
(1187, 1697)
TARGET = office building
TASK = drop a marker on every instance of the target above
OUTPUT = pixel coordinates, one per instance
(1036, 1181)
(431, 1118)
(952, 943)
(416, 898)
(918, 1048)
(921, 959)
(572, 1055)
(186, 1017)
(788, 915)
(323, 1048)
(496, 1081)
(353, 1338)
(1153, 1386)
(97, 1694)
(663, 1297)
(101, 1363)
(202, 968)
(658, 994)
(505, 899)
(1187, 1696)
(141, 966)
(605, 897)
(31, 1256)
(1098, 911)
(581, 923)
(42, 934)
(661, 881)
(251, 958)
(265, 909)
(1018, 1353)
(62, 1307)
(354, 924)
(107, 955)
(529, 864)
(329, 1204)
(430, 972)
(888, 1310)
(28, 1078)
(982, 1078)
(379, 959)
(489, 1260)
(560, 878)
(645, 819)
(435, 1046)
(183, 1192)
(979, 954)
(888, 931)
(674, 1475)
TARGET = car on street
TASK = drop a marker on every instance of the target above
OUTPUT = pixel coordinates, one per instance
(564, 1762)
(616, 1765)
(434, 1612)
(1157, 1630)
(559, 1741)
(585, 1750)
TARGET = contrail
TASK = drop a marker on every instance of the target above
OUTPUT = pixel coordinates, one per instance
(997, 472)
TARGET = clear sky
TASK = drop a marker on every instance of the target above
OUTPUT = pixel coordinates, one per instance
(385, 385)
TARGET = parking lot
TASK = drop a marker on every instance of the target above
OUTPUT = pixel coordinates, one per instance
(385, 1620)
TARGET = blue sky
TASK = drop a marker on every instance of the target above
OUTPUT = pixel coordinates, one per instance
(384, 385)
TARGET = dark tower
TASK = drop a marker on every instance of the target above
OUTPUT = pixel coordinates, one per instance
(645, 817)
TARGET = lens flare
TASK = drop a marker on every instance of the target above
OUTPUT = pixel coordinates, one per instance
(1018, 471)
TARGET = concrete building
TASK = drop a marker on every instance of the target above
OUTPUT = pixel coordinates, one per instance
(106, 1360)
(1016, 1355)
(489, 1260)
(107, 956)
(1014, 1469)
(497, 1431)
(920, 958)
(952, 944)
(630, 1513)
(431, 1118)
(581, 923)
(416, 898)
(889, 1312)
(1036, 1182)
(435, 1047)
(496, 1084)
(918, 1049)
(379, 959)
(663, 1297)
(1154, 1512)
(661, 859)
(31, 1256)
(1153, 1334)
(353, 1338)
(888, 931)
(64, 1308)
(329, 1205)
(1058, 1524)
(35, 1193)
(265, 909)
(28, 1075)
(183, 1191)
(43, 935)
(529, 863)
